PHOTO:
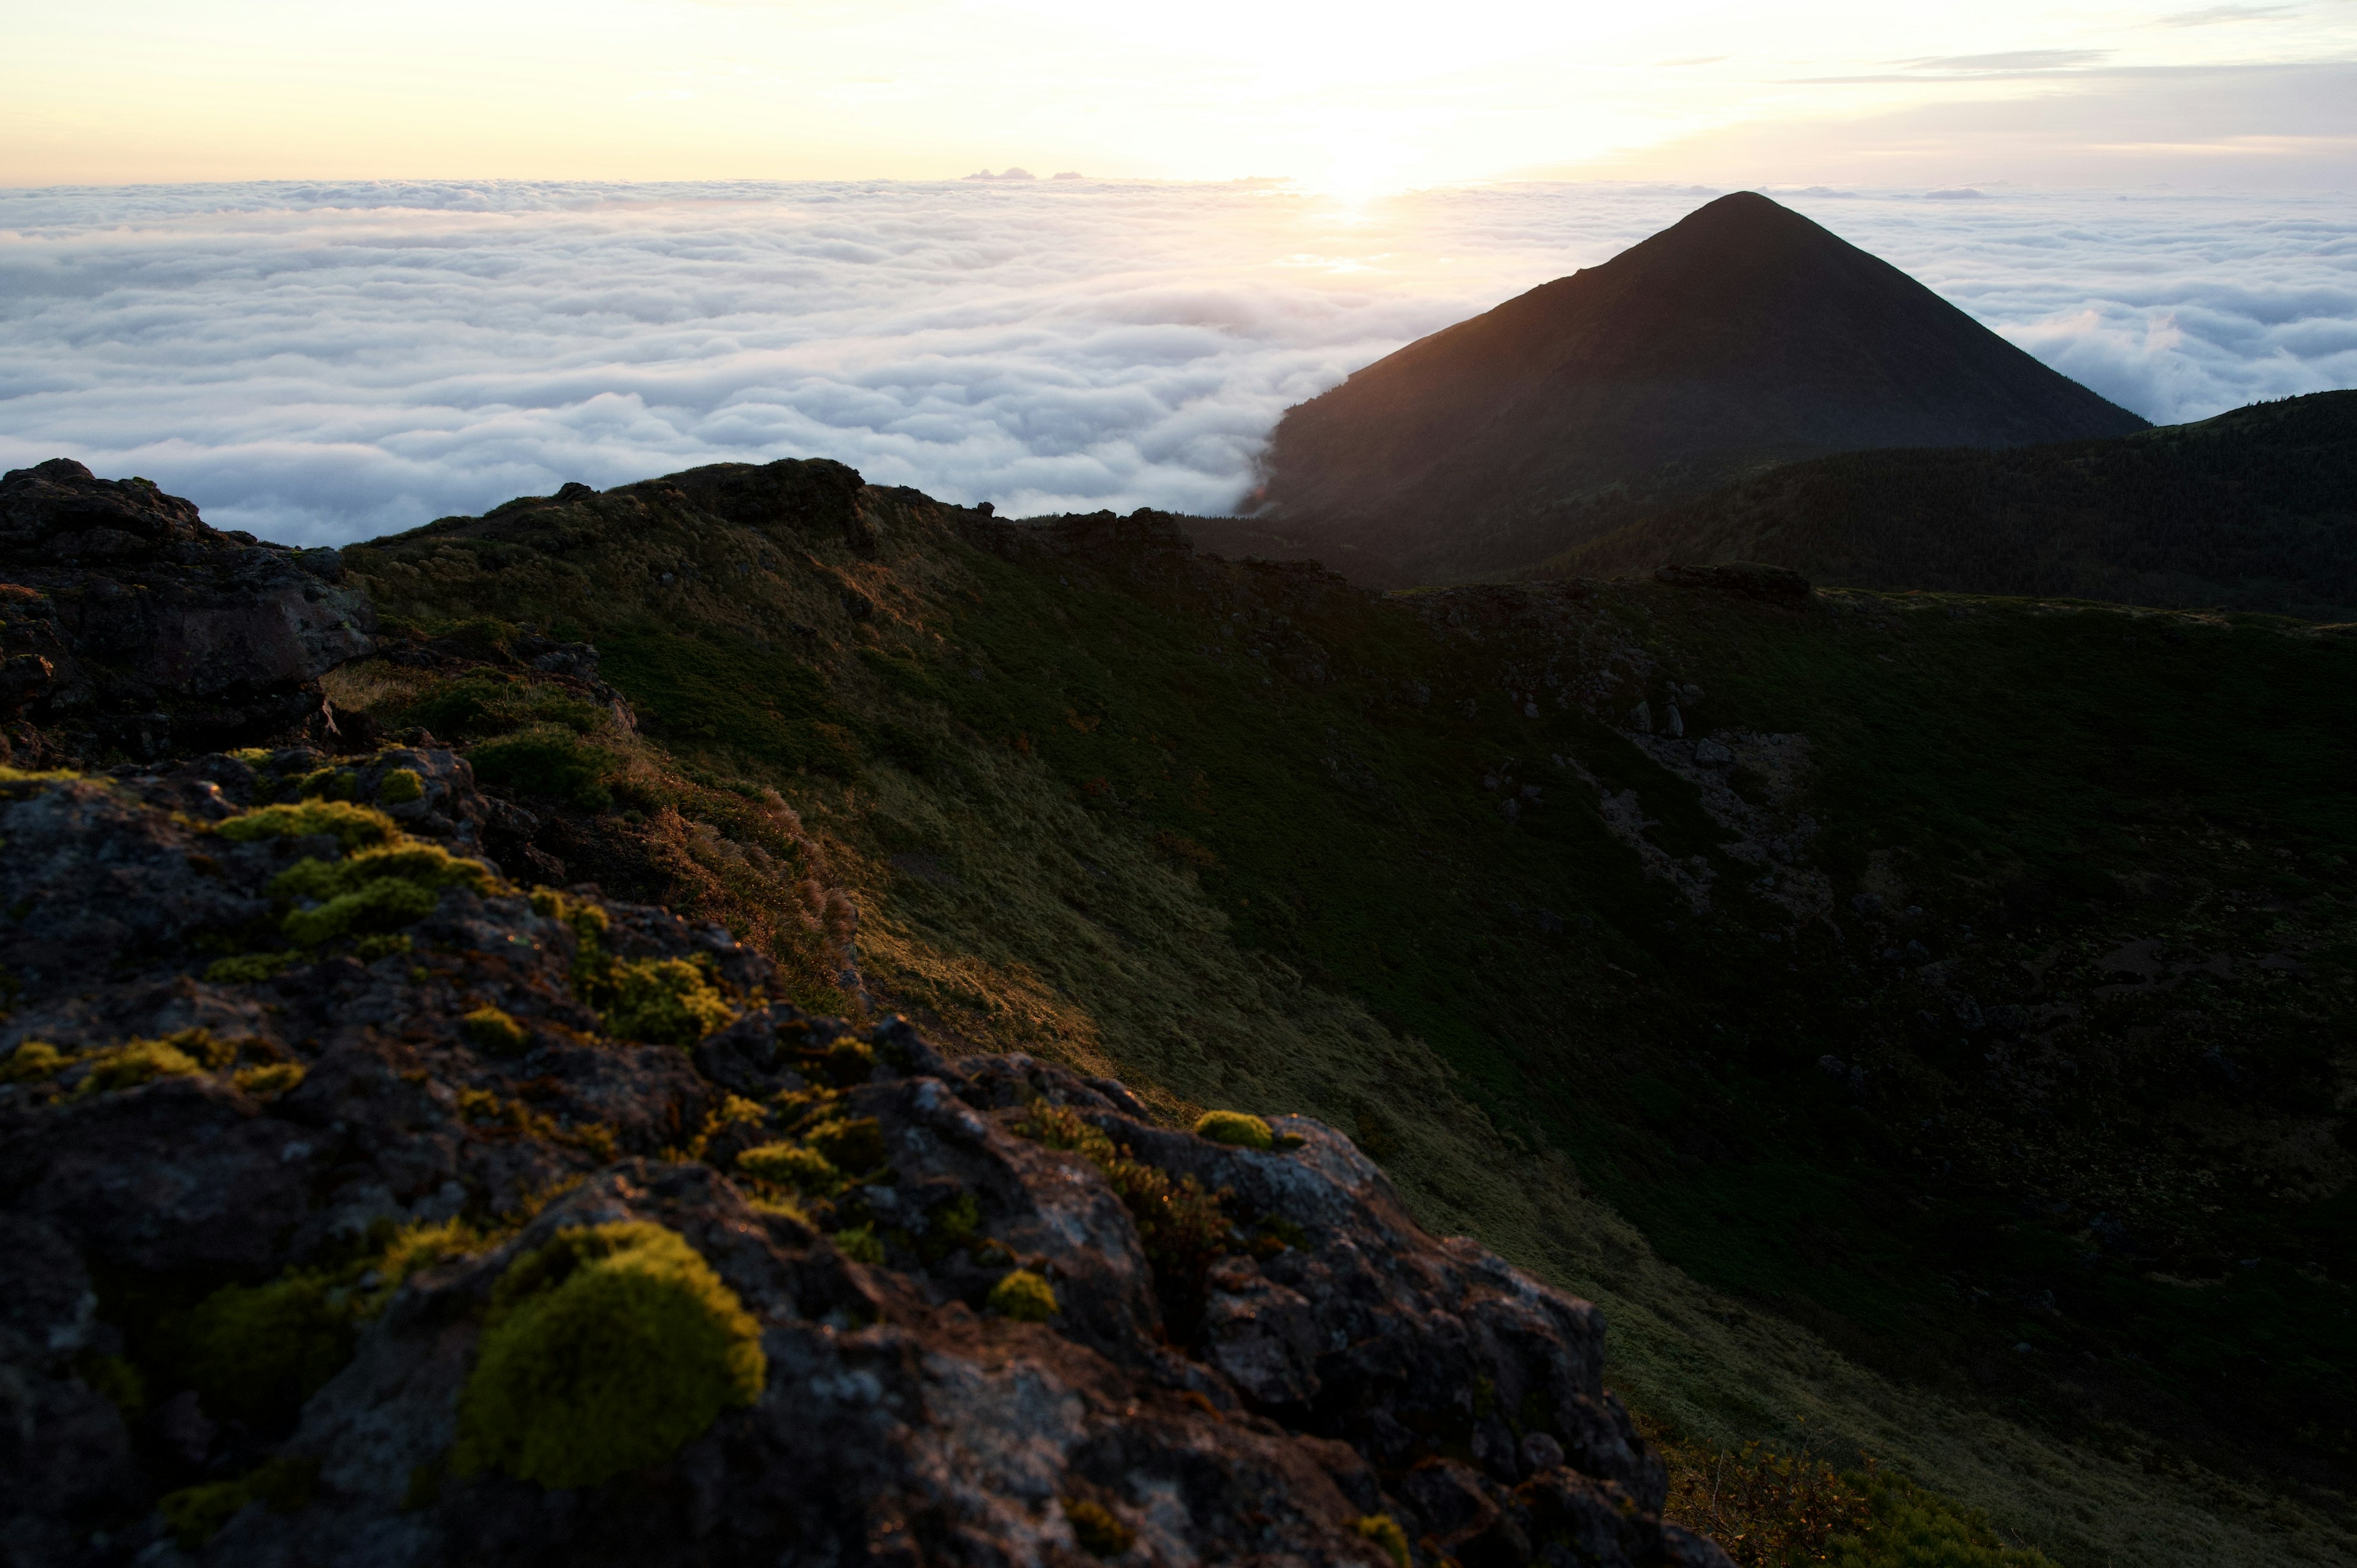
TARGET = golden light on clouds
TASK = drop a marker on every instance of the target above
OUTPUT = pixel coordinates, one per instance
(1356, 98)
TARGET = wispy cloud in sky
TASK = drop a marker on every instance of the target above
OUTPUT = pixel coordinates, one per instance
(323, 362)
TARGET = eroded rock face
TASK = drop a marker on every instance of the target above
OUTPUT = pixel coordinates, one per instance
(1328, 1362)
(129, 626)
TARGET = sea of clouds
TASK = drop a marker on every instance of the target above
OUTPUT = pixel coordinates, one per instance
(320, 364)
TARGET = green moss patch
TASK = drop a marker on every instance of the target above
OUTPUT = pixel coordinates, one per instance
(196, 1514)
(1237, 1128)
(376, 889)
(490, 1029)
(606, 1349)
(1385, 1532)
(1100, 1532)
(1024, 1296)
(352, 827)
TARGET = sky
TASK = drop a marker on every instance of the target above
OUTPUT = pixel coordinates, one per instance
(319, 363)
(1359, 99)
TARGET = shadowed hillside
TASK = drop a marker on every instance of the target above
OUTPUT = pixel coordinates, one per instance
(1920, 1016)
(1743, 336)
(2255, 509)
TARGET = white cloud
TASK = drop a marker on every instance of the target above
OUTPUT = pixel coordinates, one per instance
(322, 362)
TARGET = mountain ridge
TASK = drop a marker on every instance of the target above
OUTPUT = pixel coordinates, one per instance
(2254, 509)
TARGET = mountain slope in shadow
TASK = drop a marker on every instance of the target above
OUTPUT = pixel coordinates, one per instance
(2255, 510)
(1743, 336)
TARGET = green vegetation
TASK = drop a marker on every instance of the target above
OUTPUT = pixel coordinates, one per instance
(860, 1244)
(490, 1029)
(664, 1002)
(1098, 1529)
(606, 1349)
(352, 827)
(259, 1351)
(550, 762)
(1023, 1296)
(791, 1166)
(249, 968)
(196, 1514)
(35, 1061)
(268, 1080)
(1182, 1227)
(1246, 1132)
(400, 786)
(371, 890)
(1385, 1532)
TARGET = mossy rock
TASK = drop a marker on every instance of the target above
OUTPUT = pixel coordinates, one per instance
(606, 1349)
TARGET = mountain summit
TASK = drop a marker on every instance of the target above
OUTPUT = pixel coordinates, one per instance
(1742, 336)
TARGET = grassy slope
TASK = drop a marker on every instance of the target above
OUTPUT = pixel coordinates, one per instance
(2250, 510)
(1227, 833)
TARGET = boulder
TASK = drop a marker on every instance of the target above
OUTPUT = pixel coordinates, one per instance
(129, 627)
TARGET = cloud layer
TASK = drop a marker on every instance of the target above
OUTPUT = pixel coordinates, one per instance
(320, 363)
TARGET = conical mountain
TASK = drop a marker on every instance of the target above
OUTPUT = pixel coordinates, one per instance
(1743, 336)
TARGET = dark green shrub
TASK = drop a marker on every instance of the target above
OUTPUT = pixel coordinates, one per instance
(482, 703)
(257, 1352)
(852, 1144)
(604, 1350)
(860, 1244)
(196, 1514)
(549, 761)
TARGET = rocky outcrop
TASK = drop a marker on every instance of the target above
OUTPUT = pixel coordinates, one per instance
(129, 627)
(310, 1120)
